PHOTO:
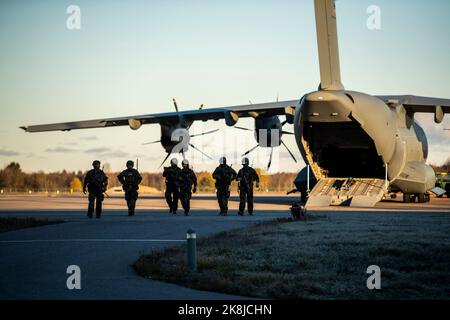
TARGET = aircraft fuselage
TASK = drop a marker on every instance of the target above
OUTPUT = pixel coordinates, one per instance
(344, 134)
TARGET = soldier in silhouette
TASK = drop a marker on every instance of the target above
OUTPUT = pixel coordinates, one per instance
(246, 178)
(223, 175)
(130, 180)
(173, 179)
(95, 182)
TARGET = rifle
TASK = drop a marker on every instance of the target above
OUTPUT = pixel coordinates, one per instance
(99, 185)
(226, 178)
(243, 182)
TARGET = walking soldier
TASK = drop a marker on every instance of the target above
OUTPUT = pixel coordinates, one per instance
(95, 182)
(172, 175)
(130, 180)
(223, 175)
(246, 177)
(187, 181)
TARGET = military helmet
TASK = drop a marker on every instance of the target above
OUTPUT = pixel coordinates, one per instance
(185, 161)
(174, 161)
(130, 163)
(245, 161)
(96, 162)
(223, 160)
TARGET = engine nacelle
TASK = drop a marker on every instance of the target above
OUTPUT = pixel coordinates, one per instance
(174, 138)
(268, 131)
(134, 124)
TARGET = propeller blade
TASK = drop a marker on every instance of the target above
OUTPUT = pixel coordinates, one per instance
(153, 142)
(286, 132)
(202, 134)
(194, 147)
(292, 155)
(250, 150)
(270, 159)
(175, 104)
(242, 128)
(165, 159)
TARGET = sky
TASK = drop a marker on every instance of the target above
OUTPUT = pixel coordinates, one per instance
(132, 57)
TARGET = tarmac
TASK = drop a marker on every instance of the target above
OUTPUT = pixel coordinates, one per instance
(33, 262)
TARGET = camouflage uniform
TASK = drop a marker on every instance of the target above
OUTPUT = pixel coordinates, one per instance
(130, 180)
(172, 175)
(96, 182)
(223, 175)
(246, 177)
(187, 180)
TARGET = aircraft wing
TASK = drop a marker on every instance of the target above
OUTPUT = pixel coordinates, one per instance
(230, 114)
(414, 104)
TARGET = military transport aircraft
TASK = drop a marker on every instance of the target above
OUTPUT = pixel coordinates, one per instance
(357, 147)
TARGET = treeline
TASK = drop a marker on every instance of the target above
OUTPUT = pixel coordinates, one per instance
(13, 179)
(443, 168)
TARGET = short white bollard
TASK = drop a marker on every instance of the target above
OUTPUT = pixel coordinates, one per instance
(191, 237)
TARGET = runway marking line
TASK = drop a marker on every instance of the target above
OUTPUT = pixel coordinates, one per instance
(90, 240)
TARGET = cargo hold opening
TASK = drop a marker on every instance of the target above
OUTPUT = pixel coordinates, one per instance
(343, 149)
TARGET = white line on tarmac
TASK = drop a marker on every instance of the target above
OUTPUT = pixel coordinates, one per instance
(90, 240)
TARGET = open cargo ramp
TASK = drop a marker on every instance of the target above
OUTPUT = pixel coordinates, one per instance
(355, 192)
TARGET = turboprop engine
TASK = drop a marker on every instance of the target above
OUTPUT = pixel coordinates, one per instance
(268, 132)
(175, 136)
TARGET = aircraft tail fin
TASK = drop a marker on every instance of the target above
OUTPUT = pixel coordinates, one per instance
(327, 42)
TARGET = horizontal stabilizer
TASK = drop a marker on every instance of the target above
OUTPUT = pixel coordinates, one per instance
(417, 104)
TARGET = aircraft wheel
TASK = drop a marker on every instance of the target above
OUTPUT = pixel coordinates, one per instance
(408, 198)
(421, 197)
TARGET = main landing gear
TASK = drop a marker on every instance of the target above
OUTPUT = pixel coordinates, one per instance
(413, 197)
